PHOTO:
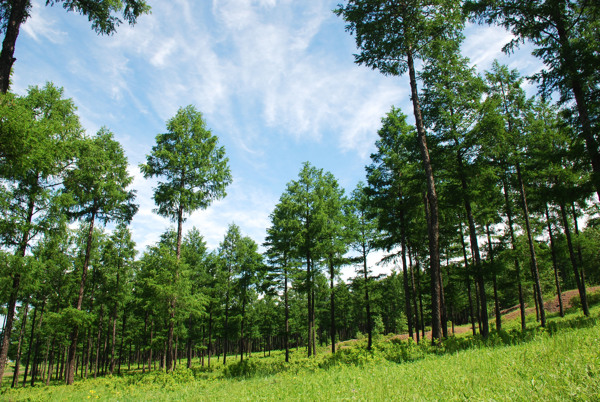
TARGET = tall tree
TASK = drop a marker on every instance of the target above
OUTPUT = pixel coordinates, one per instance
(118, 255)
(101, 13)
(38, 133)
(230, 256)
(196, 172)
(308, 222)
(335, 236)
(391, 35)
(395, 188)
(505, 91)
(565, 36)
(280, 251)
(364, 241)
(451, 103)
(97, 187)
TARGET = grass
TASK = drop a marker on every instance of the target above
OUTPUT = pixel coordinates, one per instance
(561, 362)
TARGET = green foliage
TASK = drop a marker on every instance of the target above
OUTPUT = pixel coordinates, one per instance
(194, 166)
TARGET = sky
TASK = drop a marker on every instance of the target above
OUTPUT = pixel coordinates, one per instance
(275, 80)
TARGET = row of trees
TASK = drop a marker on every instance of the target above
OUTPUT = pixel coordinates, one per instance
(513, 178)
(53, 174)
(87, 306)
(391, 35)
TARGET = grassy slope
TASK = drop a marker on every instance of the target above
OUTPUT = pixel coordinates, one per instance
(564, 365)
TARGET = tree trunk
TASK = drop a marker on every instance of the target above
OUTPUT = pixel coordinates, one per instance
(75, 333)
(407, 308)
(579, 255)
(309, 297)
(580, 284)
(367, 302)
(287, 314)
(242, 329)
(554, 263)
(567, 61)
(433, 223)
(496, 302)
(514, 247)
(534, 266)
(332, 303)
(122, 342)
(475, 247)
(15, 381)
(467, 279)
(98, 338)
(31, 342)
(209, 336)
(16, 284)
(414, 294)
(18, 15)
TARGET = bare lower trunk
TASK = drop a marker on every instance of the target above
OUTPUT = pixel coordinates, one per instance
(433, 223)
(15, 381)
(580, 284)
(514, 248)
(534, 266)
(554, 264)
(332, 308)
(75, 333)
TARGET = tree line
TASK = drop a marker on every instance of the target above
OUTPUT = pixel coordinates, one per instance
(486, 203)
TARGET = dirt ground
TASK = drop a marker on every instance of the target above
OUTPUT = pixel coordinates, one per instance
(513, 312)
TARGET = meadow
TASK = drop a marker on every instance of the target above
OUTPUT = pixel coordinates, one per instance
(559, 362)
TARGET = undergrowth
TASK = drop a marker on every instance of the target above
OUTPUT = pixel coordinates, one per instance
(561, 360)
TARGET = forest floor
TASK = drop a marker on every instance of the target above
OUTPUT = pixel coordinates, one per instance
(560, 362)
(511, 313)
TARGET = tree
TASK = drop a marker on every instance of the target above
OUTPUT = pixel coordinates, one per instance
(280, 252)
(565, 36)
(364, 241)
(196, 172)
(97, 188)
(451, 103)
(251, 270)
(506, 94)
(308, 221)
(395, 194)
(101, 13)
(118, 255)
(335, 235)
(46, 129)
(390, 36)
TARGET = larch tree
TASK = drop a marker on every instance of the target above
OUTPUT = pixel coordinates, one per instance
(280, 251)
(118, 259)
(504, 89)
(103, 14)
(364, 240)
(308, 219)
(451, 104)
(565, 37)
(392, 36)
(38, 133)
(335, 236)
(395, 187)
(97, 189)
(196, 172)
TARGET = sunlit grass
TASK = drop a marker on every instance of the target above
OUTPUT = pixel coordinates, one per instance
(561, 362)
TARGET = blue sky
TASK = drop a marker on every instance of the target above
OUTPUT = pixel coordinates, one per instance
(275, 80)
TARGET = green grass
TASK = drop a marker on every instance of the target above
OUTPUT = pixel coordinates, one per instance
(561, 362)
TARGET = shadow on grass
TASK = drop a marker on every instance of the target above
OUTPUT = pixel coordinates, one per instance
(406, 350)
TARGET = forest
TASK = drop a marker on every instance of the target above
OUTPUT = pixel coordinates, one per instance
(485, 201)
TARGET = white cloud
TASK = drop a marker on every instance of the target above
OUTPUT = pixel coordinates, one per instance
(40, 26)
